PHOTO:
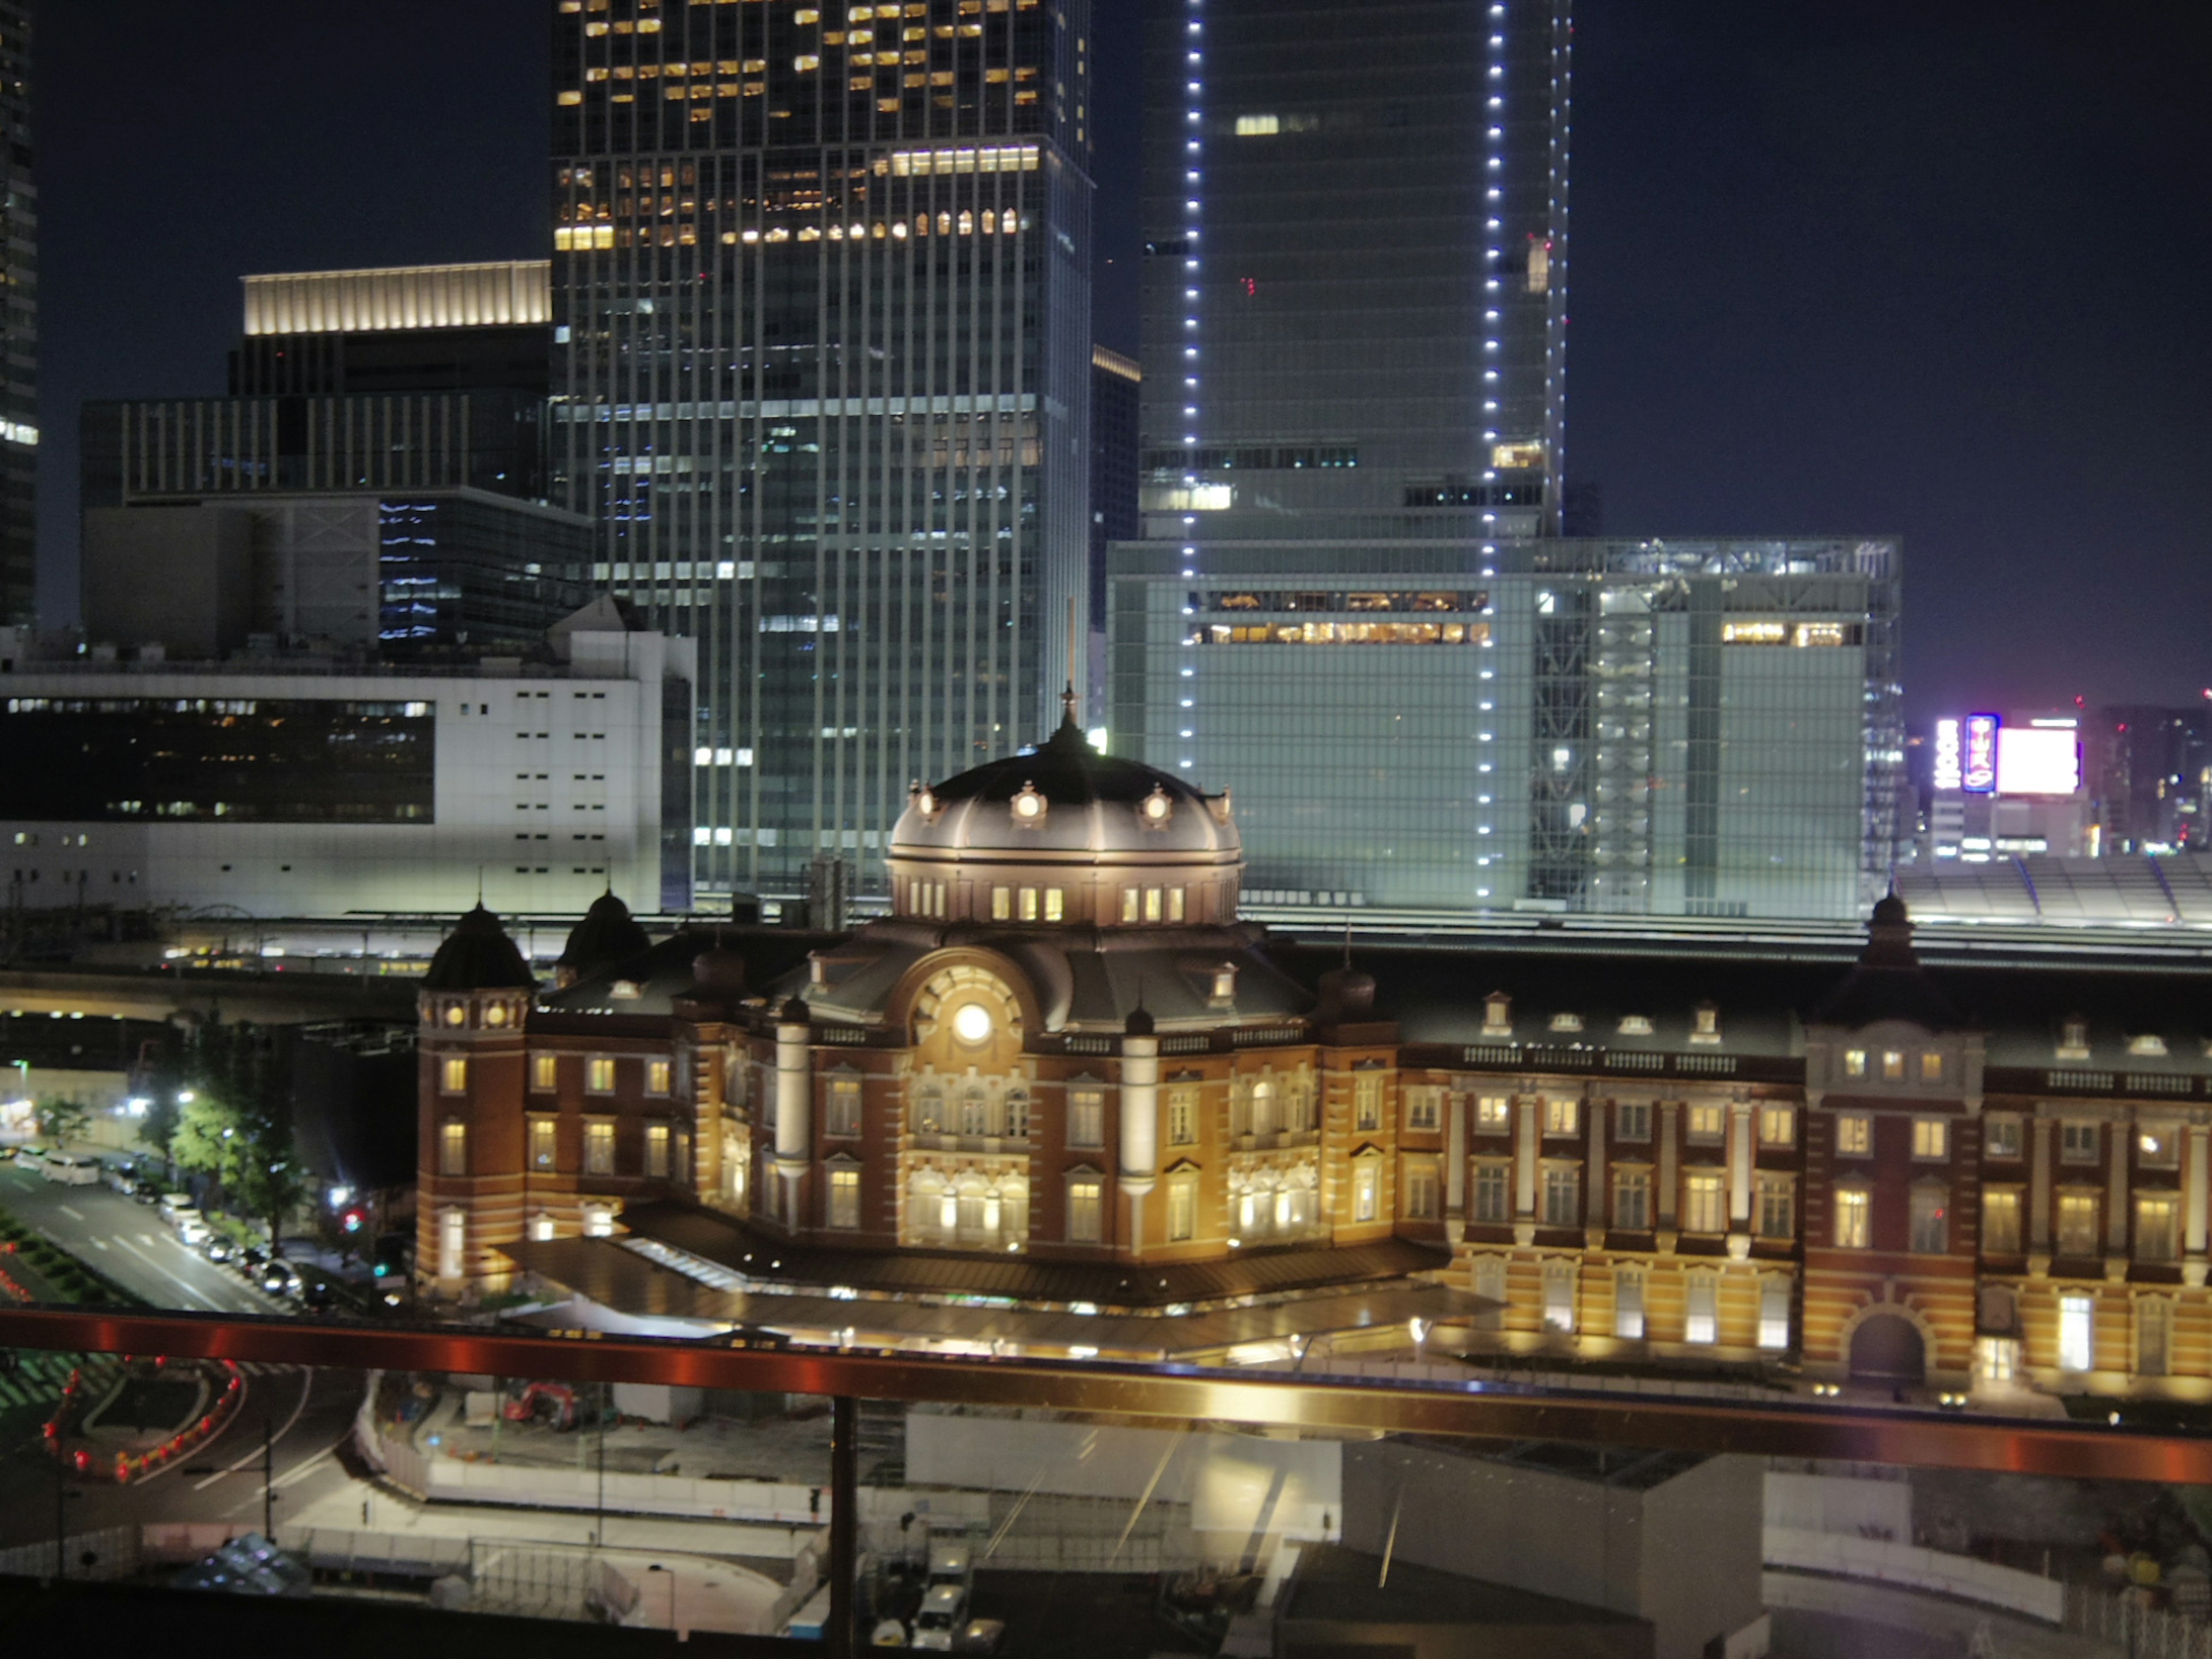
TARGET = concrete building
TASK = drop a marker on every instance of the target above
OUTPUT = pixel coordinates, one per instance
(301, 787)
(823, 296)
(1114, 384)
(19, 322)
(1703, 728)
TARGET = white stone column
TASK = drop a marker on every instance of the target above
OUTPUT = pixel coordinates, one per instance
(1141, 1129)
(1739, 1175)
(2199, 1146)
(2039, 1190)
(1668, 1159)
(1596, 1206)
(794, 1100)
(1458, 1106)
(1525, 1146)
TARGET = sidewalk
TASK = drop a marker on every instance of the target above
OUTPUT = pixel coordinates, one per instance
(1858, 1603)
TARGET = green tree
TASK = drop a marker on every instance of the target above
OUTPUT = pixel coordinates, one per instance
(62, 1121)
(238, 1125)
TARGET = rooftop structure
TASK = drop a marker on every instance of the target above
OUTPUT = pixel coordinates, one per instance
(507, 294)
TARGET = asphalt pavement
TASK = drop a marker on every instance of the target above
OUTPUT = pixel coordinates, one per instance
(129, 1242)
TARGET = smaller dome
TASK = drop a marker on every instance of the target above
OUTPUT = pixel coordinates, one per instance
(607, 934)
(1139, 1022)
(795, 1012)
(718, 969)
(1889, 911)
(478, 955)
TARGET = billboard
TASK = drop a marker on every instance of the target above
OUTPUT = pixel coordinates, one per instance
(1950, 756)
(2038, 761)
(1979, 771)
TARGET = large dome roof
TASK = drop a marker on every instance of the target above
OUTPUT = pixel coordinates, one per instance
(478, 955)
(1064, 797)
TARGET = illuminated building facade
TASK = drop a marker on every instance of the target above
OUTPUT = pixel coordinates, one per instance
(1355, 225)
(823, 326)
(1703, 728)
(19, 322)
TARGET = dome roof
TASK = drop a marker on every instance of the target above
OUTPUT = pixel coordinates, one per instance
(478, 955)
(1064, 797)
(607, 934)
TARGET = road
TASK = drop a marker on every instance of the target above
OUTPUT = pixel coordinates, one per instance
(129, 1242)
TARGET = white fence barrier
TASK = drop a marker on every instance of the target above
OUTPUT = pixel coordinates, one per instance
(1802, 1550)
(112, 1552)
(2129, 1623)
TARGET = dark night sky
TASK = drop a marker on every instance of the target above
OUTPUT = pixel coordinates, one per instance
(1883, 266)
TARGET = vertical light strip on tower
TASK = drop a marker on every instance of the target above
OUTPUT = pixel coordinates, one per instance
(1193, 218)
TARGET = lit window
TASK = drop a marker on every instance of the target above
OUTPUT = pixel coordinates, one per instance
(2002, 1137)
(1701, 1321)
(1892, 1067)
(544, 1071)
(1853, 1228)
(599, 1148)
(1708, 1123)
(1774, 1312)
(1183, 1209)
(2077, 1223)
(1085, 1219)
(1152, 909)
(1931, 1068)
(1132, 902)
(1086, 1117)
(1931, 1220)
(1999, 1222)
(1002, 905)
(453, 1075)
(1055, 904)
(656, 1150)
(1559, 1296)
(658, 1076)
(453, 1148)
(453, 1243)
(1182, 1116)
(2158, 1147)
(1854, 1134)
(843, 1117)
(1628, 1304)
(1367, 1102)
(1854, 1062)
(2156, 1214)
(1931, 1138)
(1258, 126)
(1703, 1204)
(844, 1198)
(1493, 1115)
(1026, 904)
(598, 1221)
(599, 1075)
(2077, 1334)
(1493, 1193)
(1777, 1126)
(1561, 1116)
(544, 1143)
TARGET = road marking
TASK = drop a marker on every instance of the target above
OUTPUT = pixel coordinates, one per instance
(74, 1215)
(191, 1290)
(99, 1243)
(307, 1468)
(308, 1380)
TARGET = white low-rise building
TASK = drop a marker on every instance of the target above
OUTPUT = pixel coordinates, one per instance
(301, 788)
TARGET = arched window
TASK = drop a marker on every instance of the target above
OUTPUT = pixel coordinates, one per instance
(975, 1110)
(1263, 1106)
(929, 1110)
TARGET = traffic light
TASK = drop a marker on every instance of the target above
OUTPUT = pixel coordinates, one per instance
(354, 1219)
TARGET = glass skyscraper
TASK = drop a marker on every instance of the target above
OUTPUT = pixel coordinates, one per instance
(19, 324)
(822, 374)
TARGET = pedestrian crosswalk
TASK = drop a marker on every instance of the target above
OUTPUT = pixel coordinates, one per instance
(37, 1376)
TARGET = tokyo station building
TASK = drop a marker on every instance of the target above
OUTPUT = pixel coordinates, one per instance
(1061, 1100)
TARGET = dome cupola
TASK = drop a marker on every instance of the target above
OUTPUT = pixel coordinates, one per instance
(607, 935)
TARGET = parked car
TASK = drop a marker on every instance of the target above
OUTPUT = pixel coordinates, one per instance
(251, 1260)
(318, 1297)
(985, 1636)
(944, 1609)
(72, 1170)
(220, 1246)
(280, 1278)
(31, 1157)
(146, 1192)
(174, 1203)
(194, 1230)
(7, 1154)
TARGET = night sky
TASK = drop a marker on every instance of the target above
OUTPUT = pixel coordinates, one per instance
(1944, 271)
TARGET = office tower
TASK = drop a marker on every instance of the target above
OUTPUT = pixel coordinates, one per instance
(1355, 263)
(2152, 770)
(1114, 383)
(1691, 727)
(821, 309)
(19, 323)
(417, 328)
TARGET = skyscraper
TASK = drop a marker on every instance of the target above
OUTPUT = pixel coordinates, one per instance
(823, 360)
(19, 323)
(1355, 225)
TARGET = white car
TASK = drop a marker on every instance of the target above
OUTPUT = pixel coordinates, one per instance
(942, 1611)
(71, 1169)
(192, 1230)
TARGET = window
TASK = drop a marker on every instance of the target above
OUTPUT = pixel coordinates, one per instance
(1931, 1220)
(1999, 1222)
(1422, 1109)
(453, 1075)
(541, 1226)
(599, 1148)
(1559, 1296)
(2077, 1334)
(598, 1220)
(1493, 1115)
(2153, 1335)
(1002, 905)
(843, 1117)
(1055, 904)
(1854, 1062)
(2077, 1223)
(1892, 1067)
(2001, 1137)
(1931, 1139)
(1773, 1312)
(1152, 908)
(1489, 1282)
(2156, 1216)
(1931, 1068)
(544, 1143)
(656, 1150)
(544, 1071)
(1027, 907)
(1853, 1229)
(1777, 1126)
(453, 1148)
(1561, 1116)
(599, 1075)
(1131, 899)
(1366, 1194)
(844, 1196)
(1631, 1200)
(1776, 1216)
(453, 1243)
(1632, 1121)
(1702, 1318)
(1854, 1135)
(1182, 1117)
(1084, 1207)
(1367, 1101)
(1086, 1117)
(1703, 1206)
(1183, 1209)
(2078, 1142)
(1628, 1303)
(1708, 1123)
(2158, 1147)
(658, 1075)
(1421, 1189)
(1492, 1189)
(1563, 1195)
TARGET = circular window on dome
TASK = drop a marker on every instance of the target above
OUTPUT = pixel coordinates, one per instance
(1028, 806)
(1155, 808)
(496, 1014)
(971, 1023)
(926, 802)
(456, 1014)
